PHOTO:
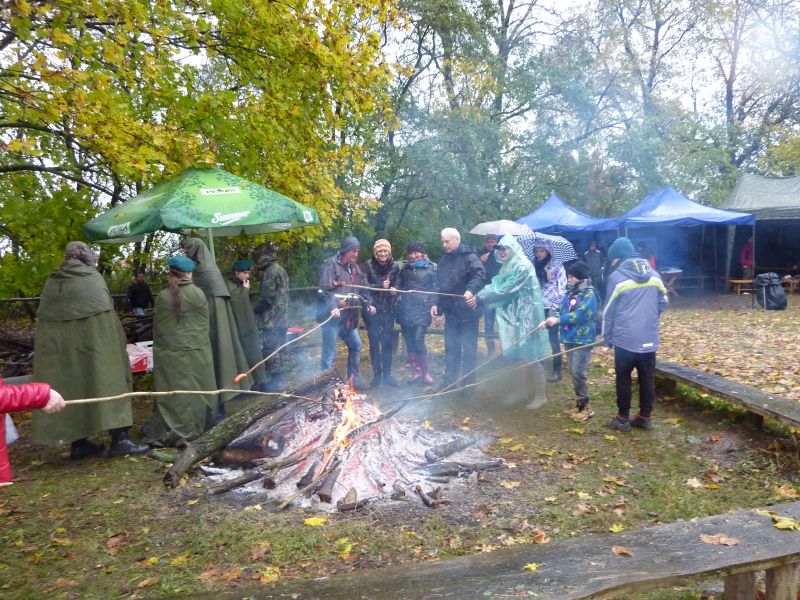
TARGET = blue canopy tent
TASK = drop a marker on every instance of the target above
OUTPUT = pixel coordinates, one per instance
(557, 217)
(655, 218)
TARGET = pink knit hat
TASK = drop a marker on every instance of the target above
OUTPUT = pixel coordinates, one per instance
(382, 245)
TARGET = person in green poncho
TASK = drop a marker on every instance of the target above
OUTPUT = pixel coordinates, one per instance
(239, 287)
(229, 358)
(182, 360)
(515, 294)
(80, 351)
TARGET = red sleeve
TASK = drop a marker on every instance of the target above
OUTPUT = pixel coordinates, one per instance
(21, 397)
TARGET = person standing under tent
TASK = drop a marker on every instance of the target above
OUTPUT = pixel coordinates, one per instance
(553, 282)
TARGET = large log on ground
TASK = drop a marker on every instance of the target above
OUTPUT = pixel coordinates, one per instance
(230, 428)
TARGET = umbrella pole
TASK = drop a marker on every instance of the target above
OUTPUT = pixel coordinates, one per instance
(211, 244)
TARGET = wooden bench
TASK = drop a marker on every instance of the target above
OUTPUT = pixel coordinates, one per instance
(758, 403)
(741, 285)
(586, 567)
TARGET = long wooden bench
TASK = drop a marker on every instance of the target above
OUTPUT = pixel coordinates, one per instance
(751, 399)
(587, 567)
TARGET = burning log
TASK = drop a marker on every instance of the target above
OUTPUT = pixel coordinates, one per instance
(325, 492)
(233, 426)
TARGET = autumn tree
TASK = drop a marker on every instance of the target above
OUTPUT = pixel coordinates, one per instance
(102, 99)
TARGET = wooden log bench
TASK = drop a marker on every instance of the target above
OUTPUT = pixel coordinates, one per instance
(582, 568)
(759, 404)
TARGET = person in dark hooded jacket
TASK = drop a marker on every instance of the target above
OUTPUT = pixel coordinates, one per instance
(272, 313)
(459, 272)
(414, 310)
(381, 272)
(635, 299)
(340, 301)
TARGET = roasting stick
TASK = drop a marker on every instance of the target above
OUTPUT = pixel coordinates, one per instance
(180, 392)
(394, 291)
(241, 376)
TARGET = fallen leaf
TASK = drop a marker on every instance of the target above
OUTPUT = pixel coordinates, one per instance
(610, 438)
(786, 491)
(583, 495)
(621, 551)
(672, 421)
(714, 477)
(487, 548)
(192, 502)
(179, 561)
(551, 499)
(720, 539)
(258, 552)
(252, 507)
(231, 574)
(516, 448)
(531, 567)
(505, 441)
(148, 582)
(64, 583)
(786, 523)
(540, 537)
(314, 521)
(509, 485)
(694, 483)
(270, 574)
(615, 479)
(616, 528)
(545, 452)
(578, 430)
(581, 509)
(511, 465)
(114, 543)
(207, 574)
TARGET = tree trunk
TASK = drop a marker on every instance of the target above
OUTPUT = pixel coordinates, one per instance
(229, 429)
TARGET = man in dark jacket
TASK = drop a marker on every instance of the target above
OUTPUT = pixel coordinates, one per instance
(381, 272)
(635, 299)
(139, 295)
(339, 300)
(460, 272)
(492, 266)
(595, 260)
(272, 313)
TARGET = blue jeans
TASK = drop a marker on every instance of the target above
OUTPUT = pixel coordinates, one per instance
(352, 340)
(578, 364)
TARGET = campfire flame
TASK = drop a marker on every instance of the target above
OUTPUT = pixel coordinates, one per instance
(347, 424)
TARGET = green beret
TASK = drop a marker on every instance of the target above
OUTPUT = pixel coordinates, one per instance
(181, 263)
(242, 265)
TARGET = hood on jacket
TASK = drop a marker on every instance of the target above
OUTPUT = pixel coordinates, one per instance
(635, 268)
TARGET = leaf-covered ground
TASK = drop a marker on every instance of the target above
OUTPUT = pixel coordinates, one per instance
(109, 529)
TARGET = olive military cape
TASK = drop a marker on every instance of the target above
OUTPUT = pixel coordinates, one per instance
(249, 336)
(182, 361)
(229, 358)
(515, 294)
(80, 351)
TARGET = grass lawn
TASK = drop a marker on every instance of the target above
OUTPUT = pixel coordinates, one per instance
(109, 528)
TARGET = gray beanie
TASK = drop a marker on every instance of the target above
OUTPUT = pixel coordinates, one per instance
(349, 243)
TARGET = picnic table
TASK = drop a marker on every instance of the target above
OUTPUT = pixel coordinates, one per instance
(741, 285)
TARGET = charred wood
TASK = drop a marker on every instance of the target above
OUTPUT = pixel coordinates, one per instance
(427, 499)
(233, 426)
(437, 453)
(325, 492)
(234, 483)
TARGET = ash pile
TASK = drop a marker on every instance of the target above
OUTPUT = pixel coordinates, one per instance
(339, 452)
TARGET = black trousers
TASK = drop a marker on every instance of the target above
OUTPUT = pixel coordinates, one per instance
(379, 333)
(555, 343)
(625, 362)
(414, 336)
(460, 349)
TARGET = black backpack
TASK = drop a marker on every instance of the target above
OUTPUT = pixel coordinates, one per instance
(769, 291)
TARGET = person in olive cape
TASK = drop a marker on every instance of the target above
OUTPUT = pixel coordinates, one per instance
(229, 358)
(80, 350)
(182, 360)
(239, 287)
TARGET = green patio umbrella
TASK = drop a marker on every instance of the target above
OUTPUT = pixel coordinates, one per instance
(203, 199)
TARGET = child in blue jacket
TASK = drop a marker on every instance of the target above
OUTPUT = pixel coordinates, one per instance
(577, 320)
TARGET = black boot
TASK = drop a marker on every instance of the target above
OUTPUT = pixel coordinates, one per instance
(377, 376)
(83, 448)
(122, 445)
(555, 376)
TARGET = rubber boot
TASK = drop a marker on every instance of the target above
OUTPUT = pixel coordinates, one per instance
(538, 386)
(416, 369)
(424, 368)
(122, 445)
